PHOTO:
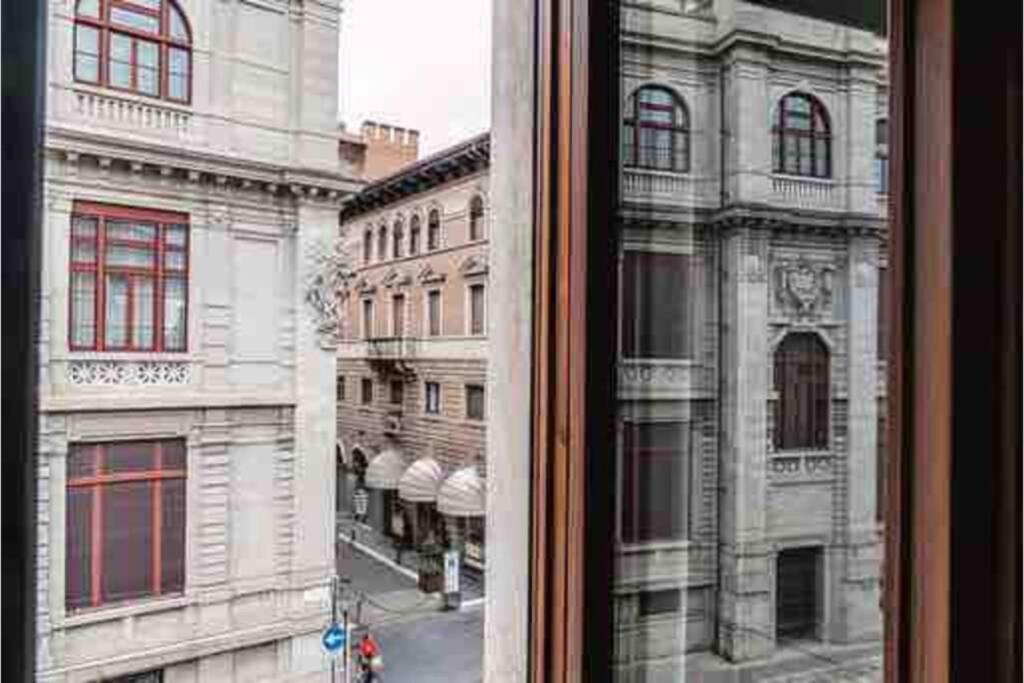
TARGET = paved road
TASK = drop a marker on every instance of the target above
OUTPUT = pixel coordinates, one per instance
(420, 643)
(446, 647)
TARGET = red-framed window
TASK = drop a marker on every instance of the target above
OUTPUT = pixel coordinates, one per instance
(140, 46)
(654, 325)
(125, 521)
(655, 481)
(802, 384)
(657, 131)
(129, 279)
(801, 137)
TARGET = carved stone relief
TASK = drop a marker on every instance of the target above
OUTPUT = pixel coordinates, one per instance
(804, 288)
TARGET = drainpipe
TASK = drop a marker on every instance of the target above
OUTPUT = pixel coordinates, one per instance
(720, 284)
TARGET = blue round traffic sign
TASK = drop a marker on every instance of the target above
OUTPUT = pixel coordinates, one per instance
(333, 638)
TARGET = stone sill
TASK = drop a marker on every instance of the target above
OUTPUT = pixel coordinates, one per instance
(118, 611)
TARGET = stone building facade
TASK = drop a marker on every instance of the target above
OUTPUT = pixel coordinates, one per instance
(412, 355)
(186, 438)
(781, 538)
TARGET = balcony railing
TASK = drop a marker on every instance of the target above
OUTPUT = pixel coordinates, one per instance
(391, 348)
(131, 114)
(805, 193)
(647, 185)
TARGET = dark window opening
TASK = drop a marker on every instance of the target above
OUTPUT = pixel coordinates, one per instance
(797, 593)
(802, 385)
(655, 481)
(655, 325)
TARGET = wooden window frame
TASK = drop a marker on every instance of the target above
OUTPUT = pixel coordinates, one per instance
(781, 132)
(950, 611)
(99, 269)
(98, 484)
(679, 130)
(162, 39)
(813, 429)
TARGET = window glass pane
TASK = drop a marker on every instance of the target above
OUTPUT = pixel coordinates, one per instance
(87, 68)
(116, 313)
(88, 8)
(129, 230)
(78, 550)
(179, 61)
(127, 544)
(175, 293)
(118, 255)
(172, 552)
(474, 402)
(178, 29)
(119, 62)
(434, 313)
(476, 309)
(174, 260)
(143, 313)
(83, 311)
(136, 20)
(128, 456)
(750, 397)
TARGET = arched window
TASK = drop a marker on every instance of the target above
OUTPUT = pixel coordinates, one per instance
(397, 237)
(476, 219)
(368, 246)
(657, 130)
(434, 230)
(802, 385)
(382, 243)
(882, 156)
(801, 138)
(143, 46)
(414, 235)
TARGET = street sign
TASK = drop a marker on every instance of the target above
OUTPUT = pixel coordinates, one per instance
(360, 500)
(451, 571)
(334, 639)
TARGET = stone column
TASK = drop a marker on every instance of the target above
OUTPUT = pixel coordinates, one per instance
(315, 418)
(745, 620)
(860, 147)
(858, 596)
(748, 133)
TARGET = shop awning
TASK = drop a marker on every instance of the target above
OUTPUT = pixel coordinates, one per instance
(385, 469)
(462, 494)
(342, 453)
(421, 480)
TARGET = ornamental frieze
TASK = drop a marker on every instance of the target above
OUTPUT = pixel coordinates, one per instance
(328, 274)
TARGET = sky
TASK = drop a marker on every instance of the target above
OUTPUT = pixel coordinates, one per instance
(414, 64)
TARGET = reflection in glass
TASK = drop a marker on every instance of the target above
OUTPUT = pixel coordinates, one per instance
(748, 536)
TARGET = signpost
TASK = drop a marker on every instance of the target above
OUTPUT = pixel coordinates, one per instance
(451, 579)
(335, 637)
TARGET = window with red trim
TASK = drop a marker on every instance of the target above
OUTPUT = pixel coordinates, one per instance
(801, 137)
(655, 481)
(142, 46)
(657, 130)
(802, 384)
(129, 279)
(125, 521)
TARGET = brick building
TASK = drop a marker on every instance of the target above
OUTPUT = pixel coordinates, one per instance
(413, 349)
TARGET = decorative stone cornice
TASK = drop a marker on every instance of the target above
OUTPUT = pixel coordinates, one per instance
(475, 264)
(218, 173)
(428, 275)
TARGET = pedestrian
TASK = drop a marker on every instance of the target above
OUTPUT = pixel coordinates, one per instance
(370, 660)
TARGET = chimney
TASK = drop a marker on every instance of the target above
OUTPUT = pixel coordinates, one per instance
(388, 149)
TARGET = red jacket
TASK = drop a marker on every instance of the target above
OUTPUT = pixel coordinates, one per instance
(368, 648)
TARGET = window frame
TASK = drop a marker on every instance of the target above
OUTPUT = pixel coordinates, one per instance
(366, 397)
(782, 132)
(924, 579)
(99, 484)
(428, 328)
(476, 386)
(163, 40)
(158, 273)
(435, 239)
(470, 316)
(678, 129)
(427, 408)
(477, 229)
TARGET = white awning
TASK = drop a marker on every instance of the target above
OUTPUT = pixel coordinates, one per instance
(342, 453)
(385, 469)
(420, 482)
(462, 494)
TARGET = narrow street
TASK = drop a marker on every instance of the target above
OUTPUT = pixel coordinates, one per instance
(420, 642)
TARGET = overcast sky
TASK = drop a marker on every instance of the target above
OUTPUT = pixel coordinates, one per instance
(422, 65)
